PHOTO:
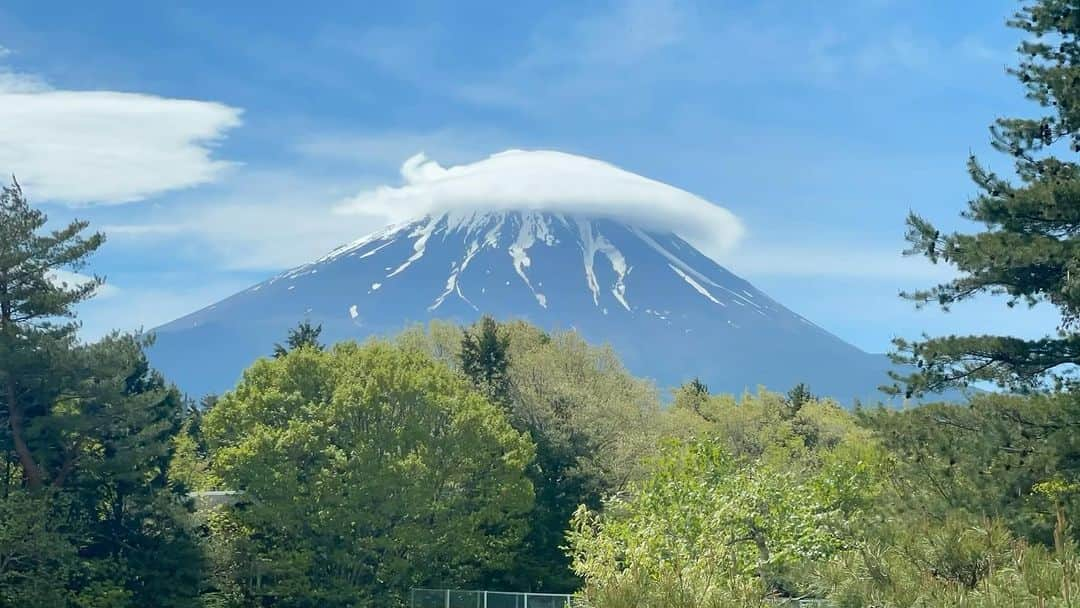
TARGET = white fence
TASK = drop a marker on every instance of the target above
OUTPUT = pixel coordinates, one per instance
(451, 598)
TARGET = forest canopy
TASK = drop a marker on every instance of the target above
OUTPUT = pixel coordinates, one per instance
(498, 455)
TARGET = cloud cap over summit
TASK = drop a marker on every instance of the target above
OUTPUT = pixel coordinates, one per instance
(554, 182)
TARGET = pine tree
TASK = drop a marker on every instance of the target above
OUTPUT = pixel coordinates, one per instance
(304, 335)
(694, 396)
(34, 335)
(485, 359)
(697, 387)
(1029, 248)
(89, 425)
(799, 396)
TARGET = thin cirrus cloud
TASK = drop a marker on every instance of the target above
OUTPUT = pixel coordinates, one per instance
(255, 221)
(549, 181)
(105, 147)
(856, 260)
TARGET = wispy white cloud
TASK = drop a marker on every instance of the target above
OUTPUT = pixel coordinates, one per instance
(19, 82)
(628, 34)
(382, 151)
(617, 60)
(975, 48)
(836, 260)
(259, 220)
(900, 49)
(894, 53)
(566, 58)
(145, 307)
(399, 49)
(598, 56)
(142, 230)
(106, 147)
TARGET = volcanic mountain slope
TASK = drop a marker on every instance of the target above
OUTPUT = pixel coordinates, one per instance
(671, 312)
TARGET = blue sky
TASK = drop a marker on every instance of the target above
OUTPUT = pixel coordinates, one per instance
(212, 141)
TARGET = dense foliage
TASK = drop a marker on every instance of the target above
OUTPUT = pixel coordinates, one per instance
(757, 492)
(591, 420)
(502, 456)
(86, 515)
(366, 470)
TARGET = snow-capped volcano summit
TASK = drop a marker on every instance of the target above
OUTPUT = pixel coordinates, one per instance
(505, 244)
(550, 182)
(671, 312)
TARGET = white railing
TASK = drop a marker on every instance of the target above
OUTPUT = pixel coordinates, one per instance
(456, 598)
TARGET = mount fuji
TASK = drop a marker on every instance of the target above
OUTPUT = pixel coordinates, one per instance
(534, 236)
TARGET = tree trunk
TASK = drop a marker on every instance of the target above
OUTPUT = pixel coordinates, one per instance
(69, 464)
(763, 559)
(31, 470)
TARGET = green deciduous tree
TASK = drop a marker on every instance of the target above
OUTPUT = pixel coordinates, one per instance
(1029, 249)
(368, 470)
(707, 528)
(592, 421)
(742, 507)
(754, 425)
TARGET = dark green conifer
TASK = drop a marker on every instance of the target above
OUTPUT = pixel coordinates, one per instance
(304, 335)
(36, 333)
(1029, 247)
(485, 358)
(87, 427)
(799, 396)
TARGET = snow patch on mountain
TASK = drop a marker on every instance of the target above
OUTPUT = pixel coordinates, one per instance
(355, 246)
(452, 284)
(533, 228)
(423, 233)
(588, 248)
(697, 286)
(591, 244)
(368, 254)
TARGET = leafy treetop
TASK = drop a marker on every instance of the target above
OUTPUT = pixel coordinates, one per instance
(304, 335)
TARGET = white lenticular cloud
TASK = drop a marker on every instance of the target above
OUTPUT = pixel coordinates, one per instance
(554, 182)
(106, 147)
